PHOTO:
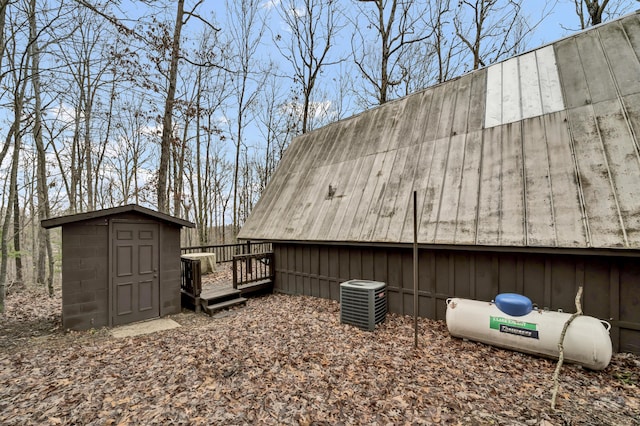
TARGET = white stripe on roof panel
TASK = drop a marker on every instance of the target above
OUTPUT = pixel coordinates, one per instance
(493, 102)
(530, 86)
(510, 91)
(550, 89)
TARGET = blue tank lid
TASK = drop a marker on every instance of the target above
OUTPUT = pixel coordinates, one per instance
(514, 304)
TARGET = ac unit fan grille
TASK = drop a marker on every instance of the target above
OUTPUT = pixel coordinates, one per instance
(363, 303)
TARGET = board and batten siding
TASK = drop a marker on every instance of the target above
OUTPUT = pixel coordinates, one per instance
(549, 280)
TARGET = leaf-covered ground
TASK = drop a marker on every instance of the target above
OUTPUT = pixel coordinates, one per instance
(288, 360)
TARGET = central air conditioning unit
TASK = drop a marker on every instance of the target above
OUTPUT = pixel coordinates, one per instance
(363, 303)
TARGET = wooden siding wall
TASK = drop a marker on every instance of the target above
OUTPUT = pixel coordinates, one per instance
(611, 284)
(85, 275)
(170, 302)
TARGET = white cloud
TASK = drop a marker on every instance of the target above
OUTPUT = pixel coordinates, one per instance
(270, 4)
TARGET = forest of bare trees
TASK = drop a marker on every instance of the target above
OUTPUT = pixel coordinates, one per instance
(186, 106)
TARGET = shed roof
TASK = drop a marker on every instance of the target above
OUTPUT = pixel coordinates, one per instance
(539, 150)
(63, 220)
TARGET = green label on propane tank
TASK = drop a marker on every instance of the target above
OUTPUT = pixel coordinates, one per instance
(518, 328)
(495, 323)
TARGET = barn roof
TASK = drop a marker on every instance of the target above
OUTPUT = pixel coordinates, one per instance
(540, 150)
(63, 220)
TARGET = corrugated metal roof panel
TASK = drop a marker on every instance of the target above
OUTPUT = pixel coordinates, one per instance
(539, 174)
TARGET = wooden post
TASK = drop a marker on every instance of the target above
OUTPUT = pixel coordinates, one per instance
(415, 269)
(235, 273)
(249, 269)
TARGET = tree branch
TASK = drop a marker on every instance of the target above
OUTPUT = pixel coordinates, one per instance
(556, 374)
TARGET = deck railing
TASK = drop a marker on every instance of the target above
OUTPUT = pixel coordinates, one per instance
(191, 281)
(252, 268)
(226, 252)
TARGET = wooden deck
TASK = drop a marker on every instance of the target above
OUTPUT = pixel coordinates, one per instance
(251, 275)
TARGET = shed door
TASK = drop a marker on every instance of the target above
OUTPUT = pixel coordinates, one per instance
(135, 286)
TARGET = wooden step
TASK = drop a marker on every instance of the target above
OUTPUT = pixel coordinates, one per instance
(211, 309)
(219, 293)
(255, 286)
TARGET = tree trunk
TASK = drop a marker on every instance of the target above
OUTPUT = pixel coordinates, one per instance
(13, 180)
(167, 131)
(45, 249)
(19, 282)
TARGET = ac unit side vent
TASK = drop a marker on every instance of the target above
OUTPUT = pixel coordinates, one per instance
(363, 303)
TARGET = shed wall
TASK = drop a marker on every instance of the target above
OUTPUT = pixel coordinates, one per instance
(85, 278)
(169, 270)
(611, 284)
(86, 270)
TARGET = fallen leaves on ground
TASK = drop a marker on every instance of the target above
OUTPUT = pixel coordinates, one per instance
(288, 360)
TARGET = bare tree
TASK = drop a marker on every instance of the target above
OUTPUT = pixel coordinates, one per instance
(18, 78)
(397, 24)
(594, 12)
(494, 29)
(311, 30)
(167, 127)
(247, 28)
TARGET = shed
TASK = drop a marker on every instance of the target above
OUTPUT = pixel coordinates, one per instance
(527, 175)
(119, 265)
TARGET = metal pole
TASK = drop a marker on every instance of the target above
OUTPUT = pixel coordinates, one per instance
(415, 269)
